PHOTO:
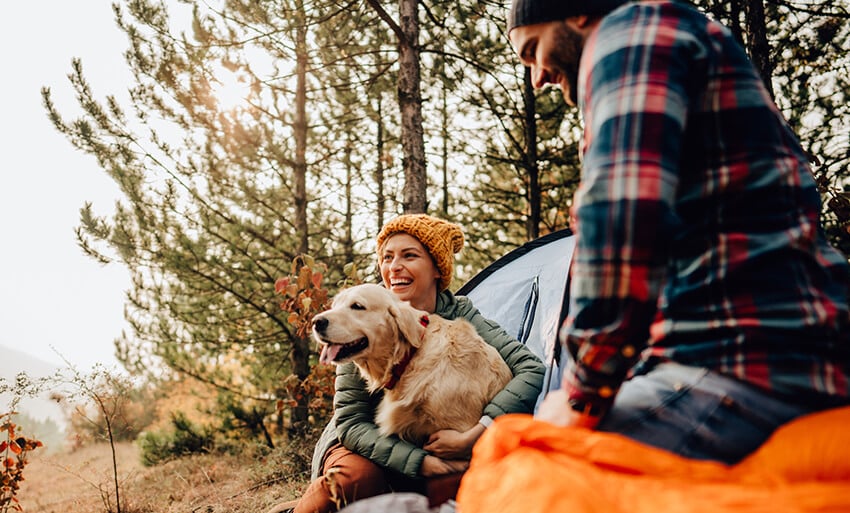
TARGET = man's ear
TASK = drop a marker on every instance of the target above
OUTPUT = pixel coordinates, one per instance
(582, 23)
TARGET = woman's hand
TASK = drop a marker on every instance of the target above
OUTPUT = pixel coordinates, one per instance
(434, 466)
(453, 445)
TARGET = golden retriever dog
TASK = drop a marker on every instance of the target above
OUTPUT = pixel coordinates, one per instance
(435, 374)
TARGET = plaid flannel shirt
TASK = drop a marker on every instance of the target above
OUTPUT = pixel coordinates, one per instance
(698, 237)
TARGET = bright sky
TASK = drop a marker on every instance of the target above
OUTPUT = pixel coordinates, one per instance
(53, 298)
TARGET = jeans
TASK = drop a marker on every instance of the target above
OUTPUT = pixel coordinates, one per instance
(697, 413)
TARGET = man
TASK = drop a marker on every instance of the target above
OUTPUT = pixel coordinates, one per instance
(706, 306)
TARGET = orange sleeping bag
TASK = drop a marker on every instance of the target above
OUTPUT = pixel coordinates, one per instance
(527, 466)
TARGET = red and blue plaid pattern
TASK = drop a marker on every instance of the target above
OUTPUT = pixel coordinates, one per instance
(698, 237)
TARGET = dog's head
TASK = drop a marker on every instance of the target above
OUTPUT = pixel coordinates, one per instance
(369, 325)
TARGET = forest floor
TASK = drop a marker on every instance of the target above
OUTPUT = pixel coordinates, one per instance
(82, 481)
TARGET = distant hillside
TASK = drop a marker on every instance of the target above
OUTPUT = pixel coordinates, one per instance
(14, 362)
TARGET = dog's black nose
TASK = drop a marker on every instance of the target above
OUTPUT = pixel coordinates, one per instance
(320, 324)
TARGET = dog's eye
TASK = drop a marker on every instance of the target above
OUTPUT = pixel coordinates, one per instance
(357, 306)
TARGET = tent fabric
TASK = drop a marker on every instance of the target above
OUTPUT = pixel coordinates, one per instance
(525, 465)
(400, 502)
(525, 292)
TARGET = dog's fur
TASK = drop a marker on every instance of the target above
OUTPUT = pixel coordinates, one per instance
(447, 383)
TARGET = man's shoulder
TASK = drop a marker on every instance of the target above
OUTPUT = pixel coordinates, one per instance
(649, 12)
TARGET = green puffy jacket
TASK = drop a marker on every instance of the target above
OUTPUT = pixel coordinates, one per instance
(353, 422)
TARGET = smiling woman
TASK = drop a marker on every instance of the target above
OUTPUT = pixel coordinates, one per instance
(355, 458)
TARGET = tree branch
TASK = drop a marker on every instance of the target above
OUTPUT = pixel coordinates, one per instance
(384, 15)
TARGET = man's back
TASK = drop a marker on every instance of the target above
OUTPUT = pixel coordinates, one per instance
(710, 208)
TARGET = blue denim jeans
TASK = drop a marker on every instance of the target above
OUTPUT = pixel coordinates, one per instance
(697, 413)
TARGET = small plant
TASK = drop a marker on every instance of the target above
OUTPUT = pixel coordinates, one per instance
(109, 393)
(307, 393)
(185, 438)
(304, 294)
(14, 450)
(318, 387)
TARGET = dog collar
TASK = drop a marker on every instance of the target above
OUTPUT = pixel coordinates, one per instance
(399, 368)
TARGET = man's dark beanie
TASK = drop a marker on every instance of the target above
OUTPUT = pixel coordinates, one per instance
(530, 12)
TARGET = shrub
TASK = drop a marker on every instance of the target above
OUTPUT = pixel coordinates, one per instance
(13, 450)
(184, 438)
(105, 406)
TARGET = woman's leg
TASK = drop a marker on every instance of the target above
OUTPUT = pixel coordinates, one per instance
(346, 477)
(440, 489)
(697, 413)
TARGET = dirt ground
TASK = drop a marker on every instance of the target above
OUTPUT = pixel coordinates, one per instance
(82, 482)
(73, 481)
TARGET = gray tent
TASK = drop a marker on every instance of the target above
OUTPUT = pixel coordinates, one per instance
(526, 291)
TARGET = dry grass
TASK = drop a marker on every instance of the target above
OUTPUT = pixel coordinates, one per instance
(78, 481)
(69, 481)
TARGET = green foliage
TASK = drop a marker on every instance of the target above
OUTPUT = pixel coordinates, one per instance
(210, 217)
(245, 417)
(184, 437)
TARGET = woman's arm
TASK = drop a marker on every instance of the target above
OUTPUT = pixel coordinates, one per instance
(518, 396)
(521, 393)
(357, 431)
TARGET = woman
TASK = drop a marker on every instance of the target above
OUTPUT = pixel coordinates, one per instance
(352, 460)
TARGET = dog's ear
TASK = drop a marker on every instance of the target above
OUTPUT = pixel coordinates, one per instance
(409, 322)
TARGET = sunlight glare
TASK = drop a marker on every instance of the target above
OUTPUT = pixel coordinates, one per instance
(230, 89)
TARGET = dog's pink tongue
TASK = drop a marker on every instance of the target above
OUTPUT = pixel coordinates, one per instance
(329, 352)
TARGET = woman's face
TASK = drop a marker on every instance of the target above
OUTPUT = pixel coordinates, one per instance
(408, 270)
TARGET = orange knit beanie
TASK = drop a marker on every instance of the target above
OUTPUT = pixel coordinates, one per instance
(441, 238)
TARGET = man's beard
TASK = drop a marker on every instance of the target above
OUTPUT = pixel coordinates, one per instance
(569, 46)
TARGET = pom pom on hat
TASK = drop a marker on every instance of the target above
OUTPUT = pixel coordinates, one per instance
(531, 12)
(441, 238)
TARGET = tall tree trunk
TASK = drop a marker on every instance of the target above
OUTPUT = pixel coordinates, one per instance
(410, 103)
(301, 347)
(300, 129)
(444, 133)
(348, 243)
(532, 224)
(379, 169)
(757, 43)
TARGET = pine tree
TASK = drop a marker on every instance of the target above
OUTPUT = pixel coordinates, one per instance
(215, 199)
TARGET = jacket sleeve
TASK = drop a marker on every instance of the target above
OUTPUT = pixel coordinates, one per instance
(357, 431)
(521, 393)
